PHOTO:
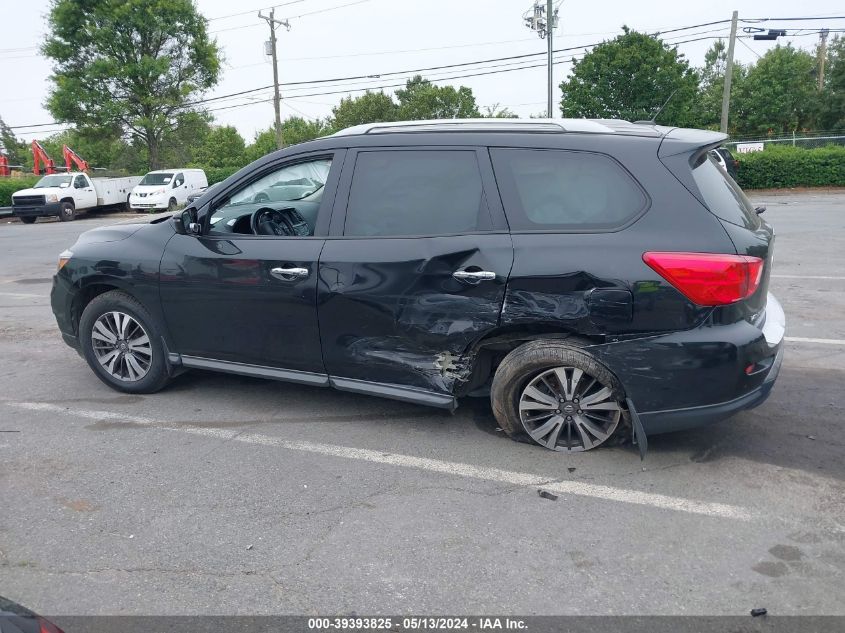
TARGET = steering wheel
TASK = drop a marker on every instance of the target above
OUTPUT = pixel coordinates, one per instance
(267, 221)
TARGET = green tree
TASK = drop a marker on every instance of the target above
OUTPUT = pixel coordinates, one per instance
(222, 147)
(298, 130)
(631, 77)
(294, 130)
(496, 111)
(712, 87)
(370, 107)
(778, 95)
(263, 144)
(100, 148)
(181, 141)
(134, 64)
(421, 99)
(15, 149)
(832, 114)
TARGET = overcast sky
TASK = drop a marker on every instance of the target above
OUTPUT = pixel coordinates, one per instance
(372, 37)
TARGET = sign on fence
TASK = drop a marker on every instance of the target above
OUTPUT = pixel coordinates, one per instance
(745, 148)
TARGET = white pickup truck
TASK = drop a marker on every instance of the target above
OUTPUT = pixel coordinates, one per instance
(64, 195)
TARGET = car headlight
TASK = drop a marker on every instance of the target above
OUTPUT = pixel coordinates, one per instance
(52, 198)
(64, 258)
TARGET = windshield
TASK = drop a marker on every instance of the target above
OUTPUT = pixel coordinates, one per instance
(54, 180)
(297, 182)
(156, 179)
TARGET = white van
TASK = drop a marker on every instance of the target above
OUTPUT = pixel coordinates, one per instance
(166, 189)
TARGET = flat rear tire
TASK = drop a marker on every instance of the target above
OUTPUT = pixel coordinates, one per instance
(557, 395)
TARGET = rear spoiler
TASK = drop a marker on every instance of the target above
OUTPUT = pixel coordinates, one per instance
(680, 150)
(684, 141)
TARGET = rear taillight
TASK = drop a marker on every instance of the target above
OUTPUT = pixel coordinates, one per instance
(709, 279)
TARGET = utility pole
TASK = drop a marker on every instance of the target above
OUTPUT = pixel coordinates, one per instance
(822, 55)
(551, 20)
(273, 23)
(729, 71)
(544, 20)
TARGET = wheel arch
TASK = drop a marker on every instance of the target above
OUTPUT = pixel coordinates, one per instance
(93, 288)
(484, 355)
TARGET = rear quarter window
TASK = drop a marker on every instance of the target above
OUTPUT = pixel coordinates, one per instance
(722, 195)
(548, 190)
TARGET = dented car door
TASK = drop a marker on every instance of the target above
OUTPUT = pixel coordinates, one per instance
(414, 270)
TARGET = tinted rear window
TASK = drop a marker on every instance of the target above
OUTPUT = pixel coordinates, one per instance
(565, 190)
(411, 192)
(722, 195)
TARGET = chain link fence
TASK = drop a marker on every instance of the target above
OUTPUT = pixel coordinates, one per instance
(807, 140)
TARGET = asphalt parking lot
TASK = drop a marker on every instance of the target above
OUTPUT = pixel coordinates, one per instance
(230, 495)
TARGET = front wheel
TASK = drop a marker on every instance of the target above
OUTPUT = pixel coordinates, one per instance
(558, 395)
(171, 206)
(122, 343)
(67, 212)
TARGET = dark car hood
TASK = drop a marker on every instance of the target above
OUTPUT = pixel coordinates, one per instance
(117, 232)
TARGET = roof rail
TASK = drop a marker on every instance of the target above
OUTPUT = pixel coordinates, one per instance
(483, 125)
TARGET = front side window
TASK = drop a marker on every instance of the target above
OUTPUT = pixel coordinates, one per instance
(179, 180)
(301, 181)
(283, 202)
(547, 190)
(416, 192)
(80, 182)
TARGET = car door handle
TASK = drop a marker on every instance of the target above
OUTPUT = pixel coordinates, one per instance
(289, 274)
(474, 276)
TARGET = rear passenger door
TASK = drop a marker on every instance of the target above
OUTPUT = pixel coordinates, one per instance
(414, 269)
(567, 211)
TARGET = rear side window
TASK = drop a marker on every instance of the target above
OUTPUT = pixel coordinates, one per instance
(416, 192)
(722, 195)
(547, 190)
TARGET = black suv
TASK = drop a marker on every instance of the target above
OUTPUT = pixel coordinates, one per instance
(590, 275)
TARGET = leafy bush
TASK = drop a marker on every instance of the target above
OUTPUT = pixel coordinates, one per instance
(219, 174)
(8, 186)
(792, 167)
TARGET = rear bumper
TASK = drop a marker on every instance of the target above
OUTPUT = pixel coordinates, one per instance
(667, 421)
(37, 211)
(686, 379)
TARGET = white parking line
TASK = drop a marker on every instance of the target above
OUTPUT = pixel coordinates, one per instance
(581, 489)
(822, 341)
(805, 277)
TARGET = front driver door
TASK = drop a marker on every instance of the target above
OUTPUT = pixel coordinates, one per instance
(84, 196)
(415, 272)
(232, 296)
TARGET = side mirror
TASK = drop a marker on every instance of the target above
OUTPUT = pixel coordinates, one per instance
(760, 209)
(189, 221)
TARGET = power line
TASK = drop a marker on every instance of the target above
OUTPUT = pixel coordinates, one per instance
(826, 17)
(251, 11)
(294, 17)
(487, 71)
(525, 57)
